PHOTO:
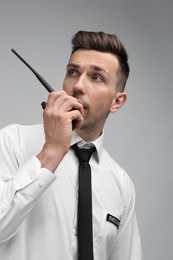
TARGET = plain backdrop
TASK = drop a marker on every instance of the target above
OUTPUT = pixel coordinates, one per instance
(139, 136)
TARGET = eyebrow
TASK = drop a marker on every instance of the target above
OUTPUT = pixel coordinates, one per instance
(73, 65)
(93, 67)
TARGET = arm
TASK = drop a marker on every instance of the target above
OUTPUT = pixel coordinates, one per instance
(21, 186)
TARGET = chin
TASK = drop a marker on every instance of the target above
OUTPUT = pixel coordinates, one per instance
(86, 126)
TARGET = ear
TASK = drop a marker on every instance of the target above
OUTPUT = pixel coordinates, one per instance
(118, 101)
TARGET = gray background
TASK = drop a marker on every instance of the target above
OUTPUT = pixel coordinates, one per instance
(139, 137)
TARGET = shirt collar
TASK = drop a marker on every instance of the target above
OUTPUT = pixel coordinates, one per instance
(98, 143)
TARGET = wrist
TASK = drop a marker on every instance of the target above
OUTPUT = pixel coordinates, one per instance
(50, 158)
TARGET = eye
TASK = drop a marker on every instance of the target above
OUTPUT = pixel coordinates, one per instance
(72, 72)
(97, 78)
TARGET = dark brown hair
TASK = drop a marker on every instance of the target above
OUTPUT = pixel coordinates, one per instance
(104, 42)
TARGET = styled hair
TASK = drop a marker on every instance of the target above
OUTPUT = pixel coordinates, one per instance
(103, 42)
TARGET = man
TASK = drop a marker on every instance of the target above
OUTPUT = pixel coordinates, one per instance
(39, 169)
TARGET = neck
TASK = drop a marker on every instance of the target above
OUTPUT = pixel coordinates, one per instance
(88, 136)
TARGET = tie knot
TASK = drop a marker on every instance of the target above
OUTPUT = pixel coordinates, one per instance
(83, 154)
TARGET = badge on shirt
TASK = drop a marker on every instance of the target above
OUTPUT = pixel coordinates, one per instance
(113, 220)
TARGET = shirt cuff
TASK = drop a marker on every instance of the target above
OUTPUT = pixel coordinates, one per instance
(33, 179)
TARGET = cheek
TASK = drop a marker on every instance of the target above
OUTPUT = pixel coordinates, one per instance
(64, 84)
(104, 105)
(104, 100)
(66, 87)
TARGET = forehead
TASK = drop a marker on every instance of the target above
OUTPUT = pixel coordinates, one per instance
(89, 58)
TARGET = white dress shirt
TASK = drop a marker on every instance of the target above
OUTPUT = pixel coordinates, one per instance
(38, 209)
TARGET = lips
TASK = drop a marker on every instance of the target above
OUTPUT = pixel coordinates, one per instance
(84, 105)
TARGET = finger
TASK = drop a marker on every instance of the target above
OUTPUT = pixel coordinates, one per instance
(78, 107)
(77, 119)
(53, 97)
(66, 103)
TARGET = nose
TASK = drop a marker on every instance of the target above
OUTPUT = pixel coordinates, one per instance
(80, 85)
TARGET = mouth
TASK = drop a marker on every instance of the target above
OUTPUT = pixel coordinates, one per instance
(84, 106)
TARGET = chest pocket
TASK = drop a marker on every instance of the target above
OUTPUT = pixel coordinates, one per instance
(105, 227)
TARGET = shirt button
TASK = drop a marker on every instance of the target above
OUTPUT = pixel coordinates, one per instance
(75, 231)
(3, 208)
(41, 183)
(31, 175)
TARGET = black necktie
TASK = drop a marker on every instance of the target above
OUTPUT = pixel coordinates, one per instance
(85, 234)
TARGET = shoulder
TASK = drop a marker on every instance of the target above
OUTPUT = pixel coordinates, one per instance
(21, 141)
(16, 130)
(20, 135)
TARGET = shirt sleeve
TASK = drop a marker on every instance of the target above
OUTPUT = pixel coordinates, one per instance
(127, 244)
(20, 187)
